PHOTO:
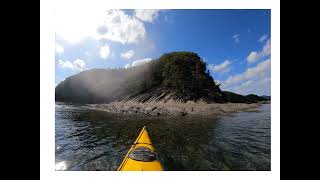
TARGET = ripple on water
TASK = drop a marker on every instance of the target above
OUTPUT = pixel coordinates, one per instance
(93, 140)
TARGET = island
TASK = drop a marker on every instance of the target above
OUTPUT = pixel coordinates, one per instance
(177, 83)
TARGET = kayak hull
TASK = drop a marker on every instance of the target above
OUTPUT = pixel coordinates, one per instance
(130, 164)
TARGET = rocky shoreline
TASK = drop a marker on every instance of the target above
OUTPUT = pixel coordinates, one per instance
(175, 108)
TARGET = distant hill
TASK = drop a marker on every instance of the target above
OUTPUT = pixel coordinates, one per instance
(237, 98)
(267, 97)
(255, 98)
(234, 98)
(176, 76)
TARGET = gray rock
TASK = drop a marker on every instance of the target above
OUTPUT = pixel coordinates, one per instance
(149, 109)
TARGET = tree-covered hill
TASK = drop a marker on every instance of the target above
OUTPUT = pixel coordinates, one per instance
(177, 76)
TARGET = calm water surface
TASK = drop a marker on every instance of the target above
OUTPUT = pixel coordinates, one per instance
(94, 140)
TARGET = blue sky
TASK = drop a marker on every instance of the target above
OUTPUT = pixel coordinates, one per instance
(234, 43)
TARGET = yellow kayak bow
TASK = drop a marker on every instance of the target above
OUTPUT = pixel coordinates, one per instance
(141, 156)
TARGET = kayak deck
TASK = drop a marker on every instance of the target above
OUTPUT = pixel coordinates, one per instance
(141, 156)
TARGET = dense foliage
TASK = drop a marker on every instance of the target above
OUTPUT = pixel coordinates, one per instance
(186, 73)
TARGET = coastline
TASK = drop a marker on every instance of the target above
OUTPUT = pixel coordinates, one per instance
(189, 108)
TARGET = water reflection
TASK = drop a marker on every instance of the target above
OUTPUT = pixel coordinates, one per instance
(61, 166)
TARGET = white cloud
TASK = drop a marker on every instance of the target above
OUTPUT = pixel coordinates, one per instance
(263, 37)
(266, 48)
(104, 51)
(95, 20)
(255, 56)
(138, 62)
(261, 86)
(258, 71)
(127, 66)
(147, 15)
(120, 27)
(65, 64)
(223, 67)
(236, 38)
(77, 64)
(128, 55)
(59, 48)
